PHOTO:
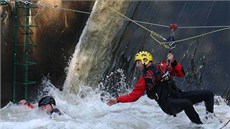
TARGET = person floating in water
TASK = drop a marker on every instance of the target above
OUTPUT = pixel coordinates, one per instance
(46, 104)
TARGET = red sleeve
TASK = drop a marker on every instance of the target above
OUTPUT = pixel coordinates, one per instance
(178, 70)
(29, 105)
(175, 69)
(135, 94)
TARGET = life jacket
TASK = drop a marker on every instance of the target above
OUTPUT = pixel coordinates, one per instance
(156, 84)
(151, 81)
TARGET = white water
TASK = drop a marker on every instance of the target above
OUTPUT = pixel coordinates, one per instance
(91, 113)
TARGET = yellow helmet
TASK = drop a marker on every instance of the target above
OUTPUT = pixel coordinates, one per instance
(144, 56)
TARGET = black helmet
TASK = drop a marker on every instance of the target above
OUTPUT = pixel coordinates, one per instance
(46, 100)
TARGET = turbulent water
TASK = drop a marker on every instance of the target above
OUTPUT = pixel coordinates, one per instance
(91, 113)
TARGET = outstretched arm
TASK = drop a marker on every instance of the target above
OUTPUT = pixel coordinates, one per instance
(134, 95)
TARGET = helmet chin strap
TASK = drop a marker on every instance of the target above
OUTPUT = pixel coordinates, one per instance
(53, 106)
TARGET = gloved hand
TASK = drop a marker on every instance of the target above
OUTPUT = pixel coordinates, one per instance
(112, 101)
(170, 57)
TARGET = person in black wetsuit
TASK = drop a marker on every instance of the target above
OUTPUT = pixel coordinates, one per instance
(48, 104)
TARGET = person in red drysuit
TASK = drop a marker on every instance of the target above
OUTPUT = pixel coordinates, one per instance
(157, 81)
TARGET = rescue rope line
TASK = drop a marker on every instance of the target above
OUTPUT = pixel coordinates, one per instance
(202, 27)
(197, 36)
(153, 34)
(138, 21)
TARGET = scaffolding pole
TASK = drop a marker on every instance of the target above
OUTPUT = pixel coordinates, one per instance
(27, 43)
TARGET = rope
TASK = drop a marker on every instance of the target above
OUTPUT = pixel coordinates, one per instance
(152, 33)
(202, 27)
(197, 36)
(142, 22)
(89, 13)
(127, 18)
(225, 124)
